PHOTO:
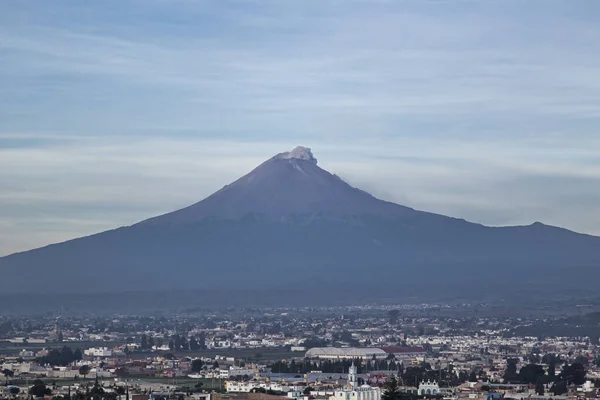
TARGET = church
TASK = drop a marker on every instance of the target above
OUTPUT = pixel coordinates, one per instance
(428, 388)
(352, 391)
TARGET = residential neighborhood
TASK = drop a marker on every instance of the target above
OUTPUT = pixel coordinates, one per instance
(348, 353)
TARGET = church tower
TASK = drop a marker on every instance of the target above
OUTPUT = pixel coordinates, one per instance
(352, 380)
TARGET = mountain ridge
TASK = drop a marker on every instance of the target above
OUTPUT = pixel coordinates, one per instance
(296, 185)
(289, 221)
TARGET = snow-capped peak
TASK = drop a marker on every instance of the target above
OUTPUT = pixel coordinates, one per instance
(300, 153)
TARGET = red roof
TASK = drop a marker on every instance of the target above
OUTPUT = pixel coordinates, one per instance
(398, 349)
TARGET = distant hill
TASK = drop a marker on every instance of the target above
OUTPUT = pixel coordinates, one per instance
(291, 227)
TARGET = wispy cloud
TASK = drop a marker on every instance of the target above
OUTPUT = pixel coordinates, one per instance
(114, 111)
(84, 186)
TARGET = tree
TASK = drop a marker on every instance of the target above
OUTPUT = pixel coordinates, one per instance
(391, 390)
(539, 388)
(196, 389)
(176, 342)
(510, 374)
(472, 377)
(314, 342)
(559, 388)
(347, 337)
(7, 374)
(184, 344)
(39, 389)
(393, 316)
(551, 373)
(84, 370)
(202, 340)
(551, 359)
(532, 374)
(574, 373)
(583, 360)
(413, 375)
(60, 337)
(150, 342)
(66, 356)
(97, 391)
(63, 357)
(197, 365)
(121, 372)
(534, 358)
(144, 343)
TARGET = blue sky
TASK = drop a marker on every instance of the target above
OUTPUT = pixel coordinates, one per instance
(115, 111)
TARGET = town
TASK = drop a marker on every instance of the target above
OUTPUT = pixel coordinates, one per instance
(336, 353)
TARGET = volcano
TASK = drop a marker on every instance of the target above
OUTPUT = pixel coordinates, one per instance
(289, 224)
(286, 186)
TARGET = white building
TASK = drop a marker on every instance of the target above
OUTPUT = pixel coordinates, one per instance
(246, 387)
(26, 353)
(238, 371)
(98, 352)
(353, 392)
(337, 353)
(239, 387)
(428, 388)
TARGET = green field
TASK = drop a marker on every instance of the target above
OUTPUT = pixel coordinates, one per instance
(256, 354)
(183, 382)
